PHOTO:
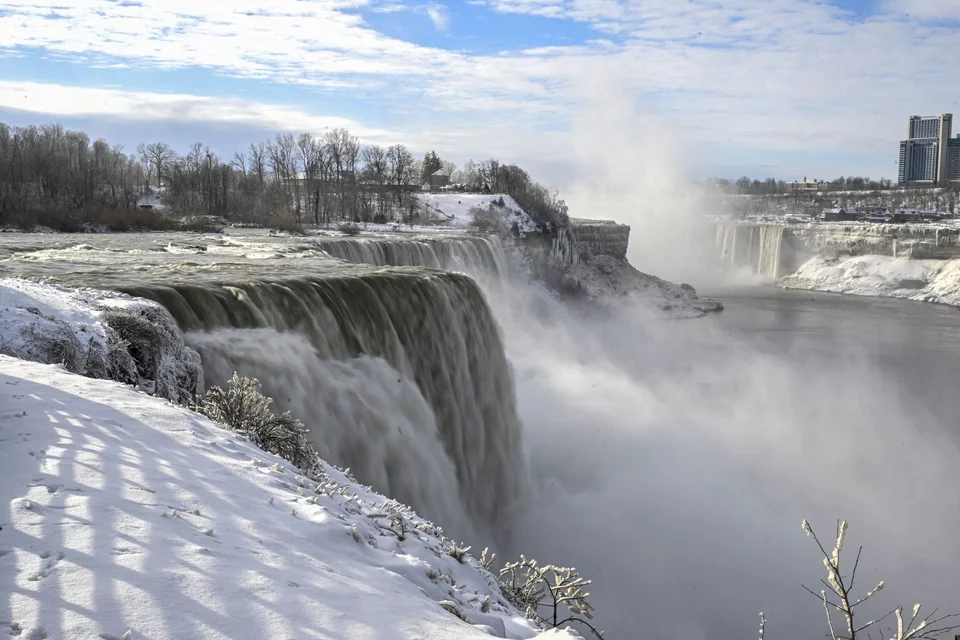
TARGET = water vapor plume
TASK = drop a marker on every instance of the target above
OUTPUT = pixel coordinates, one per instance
(676, 460)
(632, 166)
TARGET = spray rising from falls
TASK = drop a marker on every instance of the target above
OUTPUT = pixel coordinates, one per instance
(399, 374)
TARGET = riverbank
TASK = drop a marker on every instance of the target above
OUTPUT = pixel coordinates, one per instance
(936, 281)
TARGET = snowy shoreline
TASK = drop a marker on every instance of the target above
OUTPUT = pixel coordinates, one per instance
(935, 281)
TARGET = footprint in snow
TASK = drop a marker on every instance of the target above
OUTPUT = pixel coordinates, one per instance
(49, 564)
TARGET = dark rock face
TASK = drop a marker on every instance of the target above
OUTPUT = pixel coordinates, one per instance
(600, 238)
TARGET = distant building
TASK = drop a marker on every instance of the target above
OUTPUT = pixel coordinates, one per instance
(836, 213)
(925, 156)
(953, 159)
(439, 179)
(805, 185)
(150, 201)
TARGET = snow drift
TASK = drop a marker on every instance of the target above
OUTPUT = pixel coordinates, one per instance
(130, 517)
(935, 281)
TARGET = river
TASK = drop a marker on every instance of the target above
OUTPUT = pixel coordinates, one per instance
(678, 460)
(916, 345)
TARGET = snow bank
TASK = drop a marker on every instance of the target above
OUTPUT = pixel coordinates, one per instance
(457, 209)
(99, 334)
(129, 517)
(922, 280)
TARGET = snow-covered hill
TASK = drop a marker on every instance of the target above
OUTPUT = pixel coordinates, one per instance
(126, 516)
(457, 209)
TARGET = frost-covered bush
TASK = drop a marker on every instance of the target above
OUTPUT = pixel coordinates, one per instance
(242, 407)
(145, 335)
(349, 228)
(164, 365)
(56, 345)
(841, 606)
(552, 596)
(487, 220)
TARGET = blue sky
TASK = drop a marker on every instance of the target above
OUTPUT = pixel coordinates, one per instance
(760, 87)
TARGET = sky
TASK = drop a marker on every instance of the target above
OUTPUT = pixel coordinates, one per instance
(783, 88)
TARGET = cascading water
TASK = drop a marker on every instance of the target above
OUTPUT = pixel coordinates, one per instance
(400, 375)
(755, 247)
(480, 256)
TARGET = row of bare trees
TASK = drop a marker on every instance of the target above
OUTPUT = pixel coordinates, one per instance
(51, 167)
(317, 180)
(50, 171)
(313, 179)
(772, 186)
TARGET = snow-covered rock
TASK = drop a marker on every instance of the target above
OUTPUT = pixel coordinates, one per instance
(99, 334)
(605, 280)
(127, 516)
(871, 275)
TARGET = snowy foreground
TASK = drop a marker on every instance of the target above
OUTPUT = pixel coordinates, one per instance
(130, 517)
(871, 275)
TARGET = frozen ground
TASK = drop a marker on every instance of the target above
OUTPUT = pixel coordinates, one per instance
(98, 334)
(923, 280)
(126, 516)
(456, 208)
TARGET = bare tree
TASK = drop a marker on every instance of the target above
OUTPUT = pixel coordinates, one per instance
(157, 155)
(343, 150)
(402, 170)
(376, 169)
(838, 600)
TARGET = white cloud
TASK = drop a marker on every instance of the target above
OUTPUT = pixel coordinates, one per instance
(439, 16)
(772, 77)
(65, 101)
(926, 9)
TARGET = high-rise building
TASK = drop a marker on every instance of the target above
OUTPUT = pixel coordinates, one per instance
(953, 159)
(926, 154)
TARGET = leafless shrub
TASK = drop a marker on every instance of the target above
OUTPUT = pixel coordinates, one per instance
(396, 517)
(144, 336)
(282, 220)
(486, 220)
(58, 345)
(243, 408)
(349, 228)
(457, 552)
(543, 591)
(841, 606)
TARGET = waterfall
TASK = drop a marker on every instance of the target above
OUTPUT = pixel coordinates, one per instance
(754, 247)
(400, 374)
(479, 256)
(768, 262)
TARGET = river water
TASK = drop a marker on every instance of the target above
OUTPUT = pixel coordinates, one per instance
(678, 459)
(916, 345)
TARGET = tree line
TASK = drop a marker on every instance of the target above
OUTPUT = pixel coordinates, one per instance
(303, 178)
(772, 186)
